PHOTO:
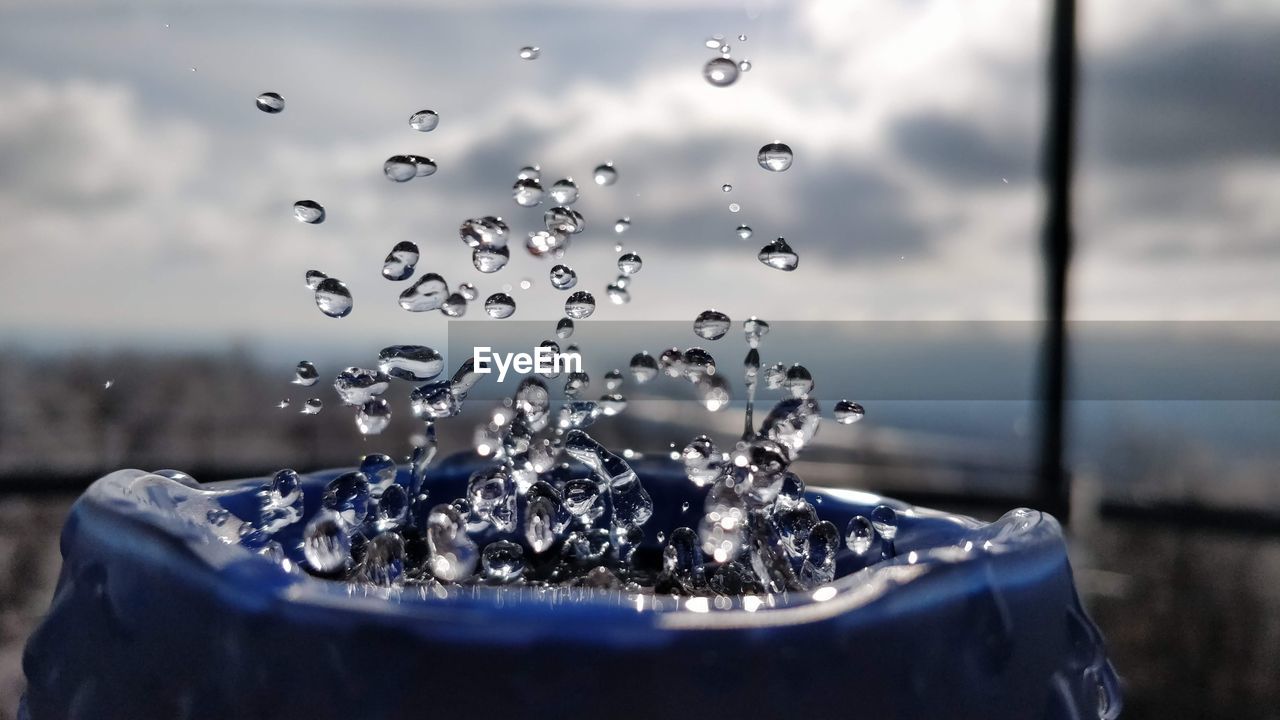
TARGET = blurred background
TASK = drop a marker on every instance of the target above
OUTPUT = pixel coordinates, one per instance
(151, 269)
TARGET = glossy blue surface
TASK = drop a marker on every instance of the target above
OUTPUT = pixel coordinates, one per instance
(157, 616)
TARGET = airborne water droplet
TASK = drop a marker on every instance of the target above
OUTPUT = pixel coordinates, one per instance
(313, 279)
(564, 192)
(564, 328)
(268, 102)
(401, 261)
(622, 225)
(580, 305)
(859, 535)
(711, 325)
(490, 259)
(630, 264)
(305, 374)
(312, 407)
(468, 291)
(455, 305)
(744, 65)
(410, 362)
(333, 298)
(744, 232)
(779, 255)
(734, 207)
(605, 174)
(775, 157)
(373, 417)
(500, 305)
(726, 188)
(720, 72)
(847, 412)
(424, 120)
(530, 52)
(643, 367)
(400, 168)
(428, 293)
(325, 543)
(563, 277)
(527, 192)
(308, 211)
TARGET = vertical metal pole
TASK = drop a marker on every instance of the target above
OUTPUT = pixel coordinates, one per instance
(1054, 483)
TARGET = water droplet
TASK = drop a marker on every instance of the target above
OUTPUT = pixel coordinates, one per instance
(502, 562)
(859, 535)
(357, 386)
(428, 293)
(605, 174)
(734, 207)
(400, 168)
(779, 255)
(775, 157)
(703, 461)
(744, 65)
(622, 225)
(283, 404)
(726, 188)
(424, 120)
(379, 470)
(490, 259)
(313, 279)
(564, 328)
(617, 292)
(563, 277)
(325, 543)
(714, 42)
(529, 172)
(305, 374)
(742, 38)
(885, 520)
(580, 305)
(401, 261)
(500, 305)
(798, 381)
(410, 362)
(453, 555)
(564, 192)
(468, 291)
(613, 379)
(487, 231)
(530, 52)
(383, 563)
(348, 496)
(527, 192)
(333, 298)
(373, 417)
(612, 404)
(754, 328)
(713, 392)
(744, 232)
(312, 407)
(711, 325)
(268, 102)
(643, 367)
(308, 211)
(563, 220)
(455, 305)
(847, 412)
(720, 72)
(630, 264)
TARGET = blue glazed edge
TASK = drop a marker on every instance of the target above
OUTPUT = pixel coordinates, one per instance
(153, 532)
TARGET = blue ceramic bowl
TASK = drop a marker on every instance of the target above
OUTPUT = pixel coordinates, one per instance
(159, 613)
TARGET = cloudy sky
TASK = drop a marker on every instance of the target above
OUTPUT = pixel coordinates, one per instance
(146, 200)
